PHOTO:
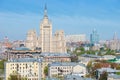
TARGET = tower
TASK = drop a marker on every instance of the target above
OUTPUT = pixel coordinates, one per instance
(94, 37)
(46, 33)
(31, 39)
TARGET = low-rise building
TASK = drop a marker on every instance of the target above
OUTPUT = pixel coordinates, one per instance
(56, 57)
(86, 58)
(113, 77)
(108, 70)
(48, 58)
(29, 68)
(75, 77)
(65, 68)
(108, 57)
(23, 52)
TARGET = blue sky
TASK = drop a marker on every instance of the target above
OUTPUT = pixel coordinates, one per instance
(72, 16)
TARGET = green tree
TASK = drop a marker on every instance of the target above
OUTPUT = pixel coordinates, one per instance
(2, 64)
(89, 66)
(1, 78)
(103, 76)
(74, 58)
(16, 76)
(46, 71)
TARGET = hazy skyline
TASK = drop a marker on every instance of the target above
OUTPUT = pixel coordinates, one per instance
(72, 16)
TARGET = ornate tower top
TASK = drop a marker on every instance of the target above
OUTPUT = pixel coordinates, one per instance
(45, 11)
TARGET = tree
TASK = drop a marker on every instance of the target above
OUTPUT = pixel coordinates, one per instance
(103, 76)
(89, 66)
(1, 78)
(74, 58)
(2, 64)
(46, 71)
(16, 76)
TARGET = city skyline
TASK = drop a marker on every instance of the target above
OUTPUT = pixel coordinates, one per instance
(80, 17)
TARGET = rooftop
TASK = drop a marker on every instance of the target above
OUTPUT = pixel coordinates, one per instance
(114, 76)
(66, 64)
(91, 56)
(25, 60)
(55, 54)
(107, 70)
(75, 77)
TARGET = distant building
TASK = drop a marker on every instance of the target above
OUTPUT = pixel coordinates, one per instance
(108, 70)
(46, 41)
(115, 43)
(75, 77)
(76, 38)
(94, 37)
(56, 57)
(22, 52)
(29, 68)
(113, 77)
(66, 68)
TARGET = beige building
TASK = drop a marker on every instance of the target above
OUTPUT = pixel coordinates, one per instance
(115, 43)
(29, 68)
(76, 38)
(66, 68)
(46, 41)
(48, 58)
(31, 39)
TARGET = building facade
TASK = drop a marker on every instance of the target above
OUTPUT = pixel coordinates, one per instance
(62, 69)
(114, 44)
(76, 38)
(29, 68)
(46, 41)
(94, 37)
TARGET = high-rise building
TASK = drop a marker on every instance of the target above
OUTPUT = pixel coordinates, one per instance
(46, 41)
(31, 39)
(114, 44)
(59, 43)
(46, 33)
(94, 37)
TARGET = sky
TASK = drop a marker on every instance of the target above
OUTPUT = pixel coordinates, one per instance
(17, 17)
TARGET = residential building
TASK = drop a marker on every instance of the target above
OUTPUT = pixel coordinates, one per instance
(56, 57)
(66, 68)
(22, 52)
(113, 77)
(108, 57)
(75, 77)
(29, 68)
(108, 70)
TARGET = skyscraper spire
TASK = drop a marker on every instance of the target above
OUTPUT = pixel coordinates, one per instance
(45, 11)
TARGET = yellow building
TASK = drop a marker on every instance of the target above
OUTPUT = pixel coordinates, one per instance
(29, 68)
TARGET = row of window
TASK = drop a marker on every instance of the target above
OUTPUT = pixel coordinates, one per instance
(67, 67)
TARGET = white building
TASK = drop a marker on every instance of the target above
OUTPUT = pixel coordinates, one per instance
(29, 68)
(76, 38)
(46, 41)
(66, 68)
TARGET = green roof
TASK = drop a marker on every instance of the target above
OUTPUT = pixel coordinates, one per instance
(112, 60)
